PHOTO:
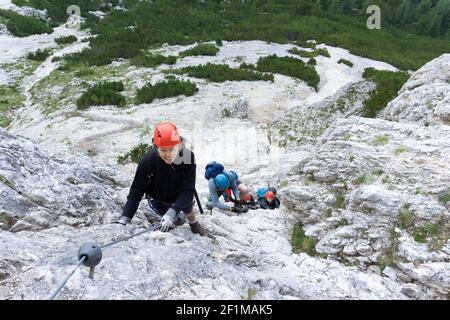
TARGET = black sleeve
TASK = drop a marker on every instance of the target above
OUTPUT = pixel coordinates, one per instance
(262, 202)
(138, 187)
(277, 203)
(187, 189)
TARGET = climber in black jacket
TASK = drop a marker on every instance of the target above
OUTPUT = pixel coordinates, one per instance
(269, 201)
(167, 176)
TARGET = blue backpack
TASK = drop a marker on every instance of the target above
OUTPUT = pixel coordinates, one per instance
(213, 169)
(261, 192)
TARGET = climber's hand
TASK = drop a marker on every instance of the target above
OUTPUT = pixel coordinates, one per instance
(168, 220)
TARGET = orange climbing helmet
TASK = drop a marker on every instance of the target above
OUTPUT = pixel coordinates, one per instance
(166, 135)
(270, 195)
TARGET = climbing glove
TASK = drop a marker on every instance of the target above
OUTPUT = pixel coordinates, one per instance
(168, 220)
(209, 205)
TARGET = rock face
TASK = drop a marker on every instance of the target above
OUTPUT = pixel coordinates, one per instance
(306, 123)
(78, 196)
(41, 190)
(425, 97)
(372, 190)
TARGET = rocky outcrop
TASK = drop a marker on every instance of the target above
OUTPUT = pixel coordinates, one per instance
(41, 190)
(425, 97)
(306, 123)
(372, 190)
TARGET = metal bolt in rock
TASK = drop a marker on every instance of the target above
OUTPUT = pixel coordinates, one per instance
(93, 254)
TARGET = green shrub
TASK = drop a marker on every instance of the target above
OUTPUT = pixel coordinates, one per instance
(219, 43)
(203, 49)
(290, 67)
(388, 84)
(226, 113)
(39, 55)
(322, 52)
(21, 3)
(165, 89)
(106, 48)
(104, 93)
(306, 44)
(301, 243)
(134, 155)
(303, 53)
(222, 72)
(66, 40)
(346, 62)
(312, 62)
(152, 60)
(22, 26)
(4, 121)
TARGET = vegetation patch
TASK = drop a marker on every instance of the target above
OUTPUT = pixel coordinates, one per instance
(301, 243)
(7, 183)
(104, 93)
(152, 60)
(388, 84)
(380, 140)
(165, 89)
(202, 49)
(135, 154)
(222, 72)
(434, 233)
(388, 255)
(22, 26)
(346, 62)
(150, 23)
(39, 55)
(66, 40)
(340, 199)
(363, 179)
(400, 150)
(445, 198)
(290, 67)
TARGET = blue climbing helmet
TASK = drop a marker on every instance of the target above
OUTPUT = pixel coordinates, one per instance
(222, 181)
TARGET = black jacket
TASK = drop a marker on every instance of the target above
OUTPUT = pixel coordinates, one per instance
(174, 183)
(265, 205)
(251, 203)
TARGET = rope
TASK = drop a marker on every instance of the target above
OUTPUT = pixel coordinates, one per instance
(154, 227)
(53, 296)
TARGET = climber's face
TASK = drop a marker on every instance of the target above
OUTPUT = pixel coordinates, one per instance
(168, 154)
